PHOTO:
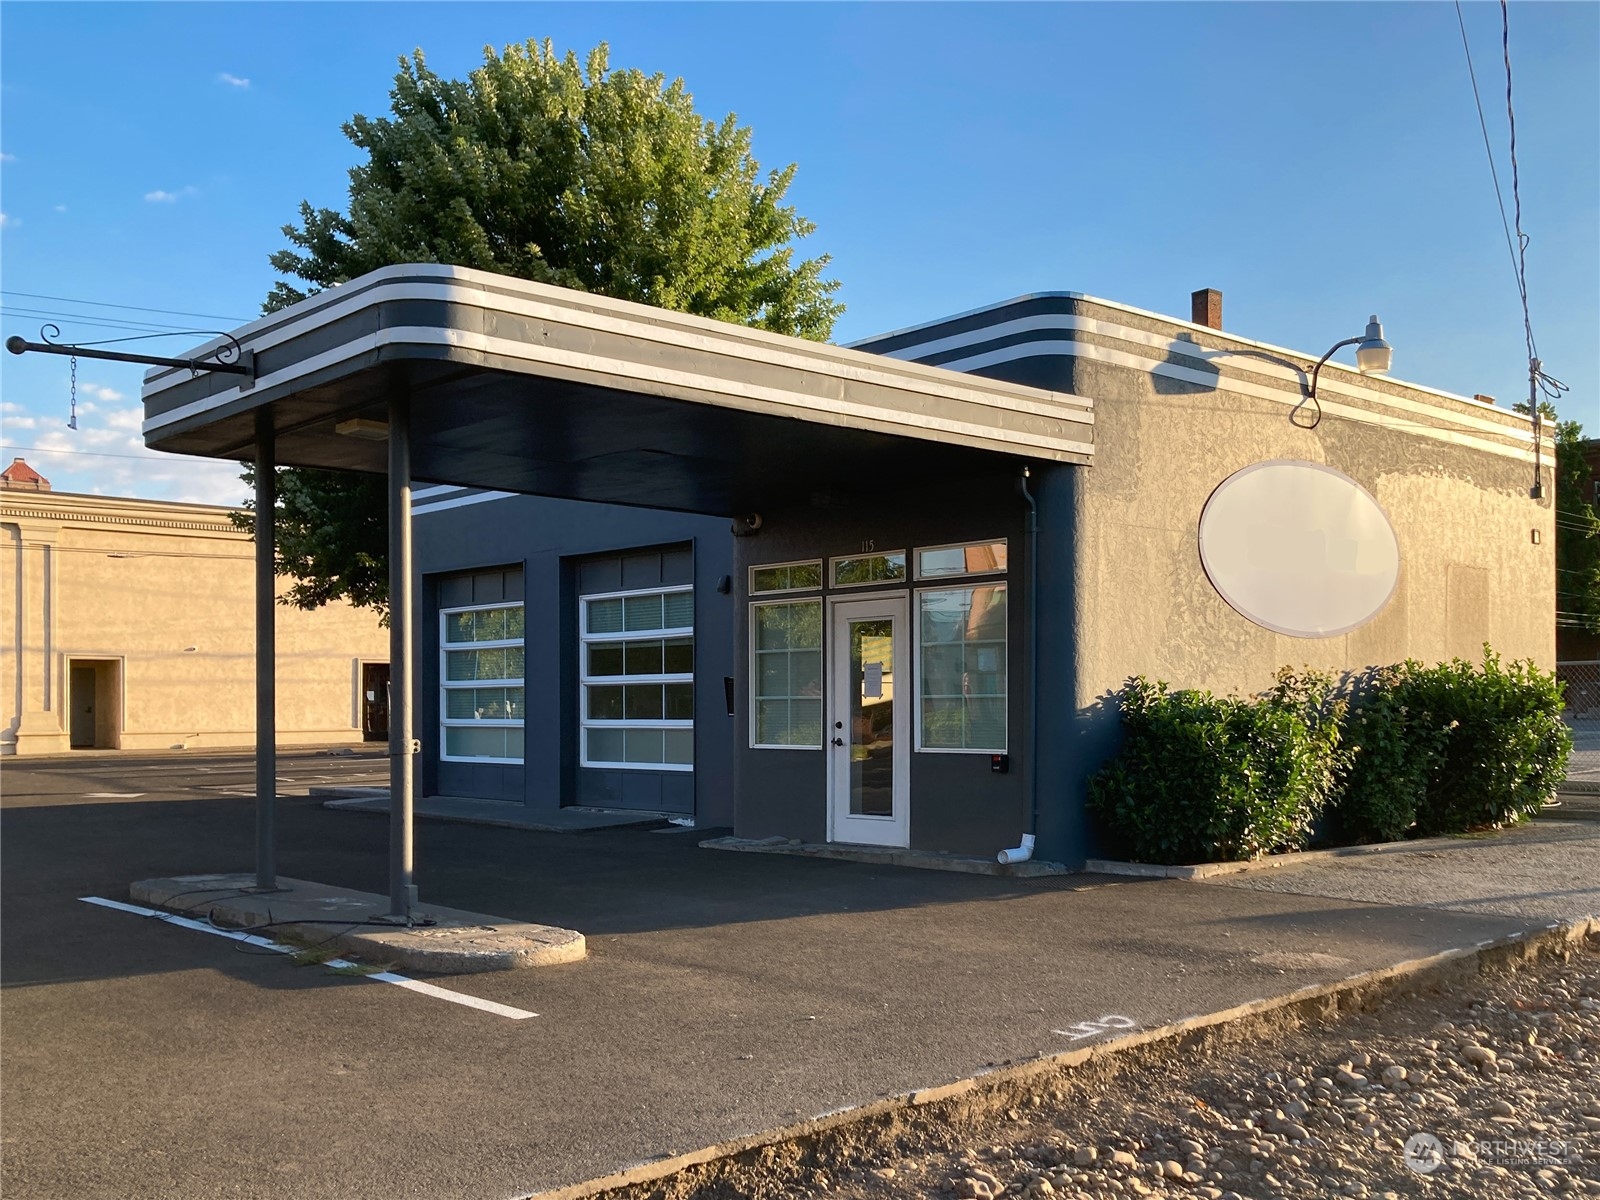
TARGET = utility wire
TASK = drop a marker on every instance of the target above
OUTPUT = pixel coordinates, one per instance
(38, 314)
(146, 458)
(1539, 381)
(1494, 172)
(1516, 195)
(170, 312)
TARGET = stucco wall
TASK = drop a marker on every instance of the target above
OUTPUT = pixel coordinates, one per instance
(1470, 570)
(1178, 408)
(137, 584)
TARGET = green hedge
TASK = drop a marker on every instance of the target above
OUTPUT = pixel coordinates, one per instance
(1404, 751)
(1452, 747)
(1207, 778)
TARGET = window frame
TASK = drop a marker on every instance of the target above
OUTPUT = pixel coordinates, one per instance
(935, 580)
(585, 680)
(446, 684)
(822, 673)
(917, 671)
(822, 576)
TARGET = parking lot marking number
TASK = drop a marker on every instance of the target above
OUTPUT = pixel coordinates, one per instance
(414, 985)
(1105, 1024)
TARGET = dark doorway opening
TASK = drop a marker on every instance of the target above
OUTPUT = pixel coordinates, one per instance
(374, 702)
(94, 696)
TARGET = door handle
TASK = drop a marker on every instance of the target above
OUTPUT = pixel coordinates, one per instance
(838, 741)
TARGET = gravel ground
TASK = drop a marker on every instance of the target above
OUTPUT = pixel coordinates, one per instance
(1545, 870)
(1493, 1081)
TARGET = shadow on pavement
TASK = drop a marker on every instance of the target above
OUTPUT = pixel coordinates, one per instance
(56, 849)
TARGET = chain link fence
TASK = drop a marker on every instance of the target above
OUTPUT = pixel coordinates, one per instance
(1583, 717)
(1583, 689)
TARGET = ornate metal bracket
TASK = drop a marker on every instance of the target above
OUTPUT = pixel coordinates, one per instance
(230, 359)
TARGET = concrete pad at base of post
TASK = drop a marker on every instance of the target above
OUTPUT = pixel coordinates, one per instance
(454, 942)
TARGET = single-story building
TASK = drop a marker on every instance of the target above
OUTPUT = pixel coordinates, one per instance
(895, 584)
(128, 627)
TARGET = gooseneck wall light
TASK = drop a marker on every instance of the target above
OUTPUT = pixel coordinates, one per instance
(1373, 356)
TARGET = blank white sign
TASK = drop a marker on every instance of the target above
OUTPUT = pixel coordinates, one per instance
(1299, 548)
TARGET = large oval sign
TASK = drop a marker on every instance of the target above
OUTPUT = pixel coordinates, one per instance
(1299, 548)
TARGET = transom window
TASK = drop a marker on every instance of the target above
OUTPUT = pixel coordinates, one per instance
(787, 577)
(975, 558)
(861, 569)
(482, 665)
(636, 672)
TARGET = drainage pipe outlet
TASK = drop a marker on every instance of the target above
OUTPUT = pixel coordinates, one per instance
(1017, 854)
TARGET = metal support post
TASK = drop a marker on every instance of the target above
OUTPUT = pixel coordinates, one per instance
(266, 655)
(402, 891)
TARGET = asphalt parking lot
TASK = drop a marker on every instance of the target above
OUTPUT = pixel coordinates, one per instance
(724, 993)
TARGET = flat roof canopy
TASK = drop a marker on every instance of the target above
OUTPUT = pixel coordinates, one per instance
(522, 387)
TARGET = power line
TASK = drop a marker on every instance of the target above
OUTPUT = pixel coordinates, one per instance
(1538, 380)
(36, 314)
(164, 457)
(1516, 195)
(1499, 195)
(170, 312)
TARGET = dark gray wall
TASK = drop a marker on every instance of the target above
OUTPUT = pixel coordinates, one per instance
(957, 803)
(544, 539)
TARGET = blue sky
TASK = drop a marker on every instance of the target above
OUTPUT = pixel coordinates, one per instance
(1317, 162)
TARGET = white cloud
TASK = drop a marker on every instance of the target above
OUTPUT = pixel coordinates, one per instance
(113, 462)
(106, 454)
(7, 221)
(61, 208)
(5, 158)
(162, 196)
(232, 80)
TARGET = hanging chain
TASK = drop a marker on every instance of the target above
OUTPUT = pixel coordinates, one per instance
(72, 422)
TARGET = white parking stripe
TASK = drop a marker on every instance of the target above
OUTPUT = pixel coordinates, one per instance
(427, 989)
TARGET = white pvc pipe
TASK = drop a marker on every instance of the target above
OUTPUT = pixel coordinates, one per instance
(1017, 854)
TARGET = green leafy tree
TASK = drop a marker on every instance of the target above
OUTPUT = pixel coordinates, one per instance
(1577, 532)
(544, 168)
(1577, 526)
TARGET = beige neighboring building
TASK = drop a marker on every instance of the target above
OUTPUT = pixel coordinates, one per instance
(129, 625)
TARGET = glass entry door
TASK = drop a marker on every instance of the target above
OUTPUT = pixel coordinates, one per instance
(869, 722)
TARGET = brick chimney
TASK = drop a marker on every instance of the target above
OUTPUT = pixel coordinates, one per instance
(1205, 307)
(20, 477)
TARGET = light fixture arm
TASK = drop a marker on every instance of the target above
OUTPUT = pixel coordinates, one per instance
(1317, 370)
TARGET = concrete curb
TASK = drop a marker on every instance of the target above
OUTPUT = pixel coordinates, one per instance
(456, 943)
(996, 1090)
(374, 801)
(1110, 866)
(887, 856)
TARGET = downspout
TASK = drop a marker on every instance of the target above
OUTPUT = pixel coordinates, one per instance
(1030, 686)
